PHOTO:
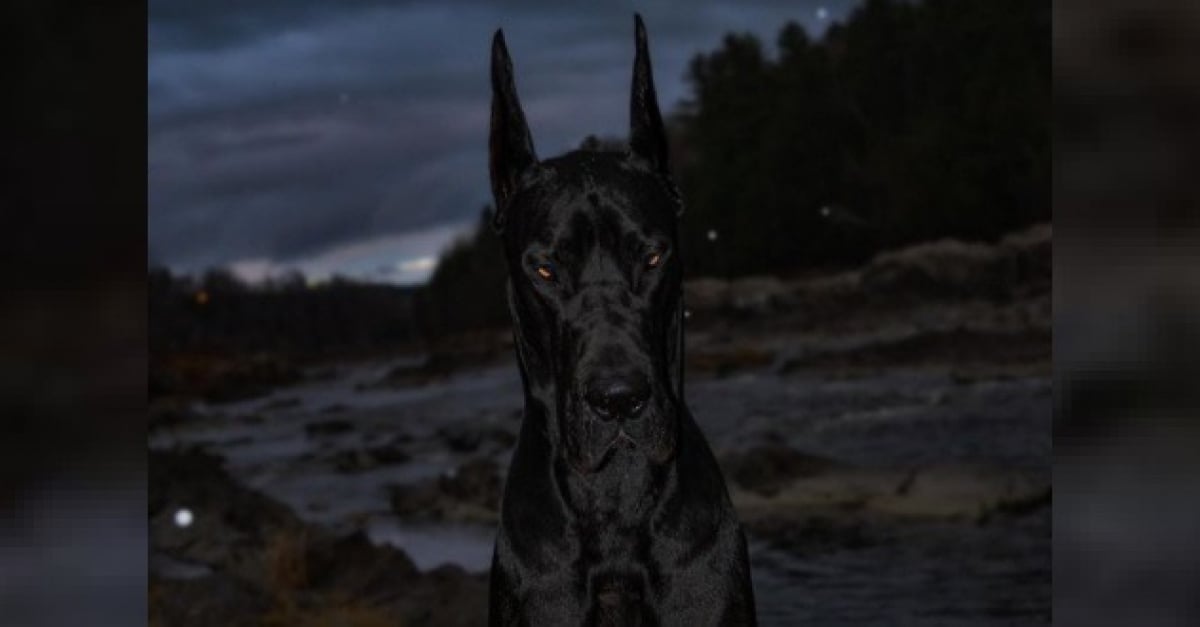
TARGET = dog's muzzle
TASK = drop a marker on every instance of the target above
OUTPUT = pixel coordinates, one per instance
(610, 413)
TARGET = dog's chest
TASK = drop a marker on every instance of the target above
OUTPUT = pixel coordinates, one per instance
(622, 495)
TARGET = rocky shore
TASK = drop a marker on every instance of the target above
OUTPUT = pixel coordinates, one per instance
(885, 435)
(245, 559)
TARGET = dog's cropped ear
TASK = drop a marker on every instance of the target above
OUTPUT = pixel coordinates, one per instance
(647, 137)
(510, 146)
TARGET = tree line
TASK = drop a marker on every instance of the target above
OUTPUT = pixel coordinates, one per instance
(218, 313)
(908, 122)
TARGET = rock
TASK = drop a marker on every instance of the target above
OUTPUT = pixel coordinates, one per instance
(353, 460)
(227, 521)
(448, 357)
(963, 492)
(938, 493)
(1017, 267)
(167, 567)
(749, 295)
(726, 361)
(824, 302)
(757, 295)
(328, 373)
(360, 460)
(959, 349)
(766, 469)
(388, 454)
(816, 534)
(468, 437)
(461, 438)
(253, 563)
(1032, 253)
(446, 596)
(421, 500)
(206, 601)
(280, 403)
(706, 294)
(1020, 504)
(477, 482)
(946, 268)
(246, 378)
(168, 413)
(471, 493)
(355, 565)
(328, 427)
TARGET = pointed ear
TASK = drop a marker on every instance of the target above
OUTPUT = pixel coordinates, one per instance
(647, 137)
(510, 147)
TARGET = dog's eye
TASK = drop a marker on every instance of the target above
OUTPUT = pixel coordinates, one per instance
(653, 260)
(545, 271)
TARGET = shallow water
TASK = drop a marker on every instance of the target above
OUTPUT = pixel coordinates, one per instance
(431, 545)
(933, 574)
(996, 574)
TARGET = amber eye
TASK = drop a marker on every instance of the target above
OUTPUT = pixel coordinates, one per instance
(653, 260)
(545, 272)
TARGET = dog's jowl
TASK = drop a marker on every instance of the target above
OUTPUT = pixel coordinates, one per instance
(614, 512)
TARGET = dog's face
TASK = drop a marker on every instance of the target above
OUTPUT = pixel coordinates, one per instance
(594, 276)
(594, 279)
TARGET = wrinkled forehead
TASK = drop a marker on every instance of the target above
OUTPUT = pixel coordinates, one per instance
(594, 197)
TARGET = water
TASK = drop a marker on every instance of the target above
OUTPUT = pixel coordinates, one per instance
(431, 545)
(930, 575)
(912, 574)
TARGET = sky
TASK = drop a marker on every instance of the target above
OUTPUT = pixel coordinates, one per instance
(350, 137)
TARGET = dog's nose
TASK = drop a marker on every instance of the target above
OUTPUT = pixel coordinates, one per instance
(618, 398)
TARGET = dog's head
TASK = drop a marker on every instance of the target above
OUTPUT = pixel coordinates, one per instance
(594, 275)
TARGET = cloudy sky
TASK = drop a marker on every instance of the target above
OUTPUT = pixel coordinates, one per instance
(349, 137)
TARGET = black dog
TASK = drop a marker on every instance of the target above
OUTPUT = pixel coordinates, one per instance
(615, 512)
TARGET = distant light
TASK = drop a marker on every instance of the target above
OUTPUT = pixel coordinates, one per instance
(712, 235)
(183, 517)
(822, 13)
(825, 211)
(687, 313)
(201, 297)
(343, 98)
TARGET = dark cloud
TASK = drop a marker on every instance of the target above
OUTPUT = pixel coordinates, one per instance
(282, 130)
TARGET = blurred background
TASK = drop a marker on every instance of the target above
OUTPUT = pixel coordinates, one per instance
(73, 532)
(867, 244)
(73, 524)
(1126, 306)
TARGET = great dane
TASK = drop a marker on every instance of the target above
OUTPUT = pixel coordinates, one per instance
(614, 511)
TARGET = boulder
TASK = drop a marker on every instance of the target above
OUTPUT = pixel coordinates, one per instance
(364, 459)
(945, 268)
(766, 469)
(472, 492)
(328, 427)
(266, 567)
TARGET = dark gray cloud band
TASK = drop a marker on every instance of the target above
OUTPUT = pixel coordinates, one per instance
(286, 131)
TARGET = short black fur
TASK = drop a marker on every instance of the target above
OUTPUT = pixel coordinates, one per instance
(615, 511)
